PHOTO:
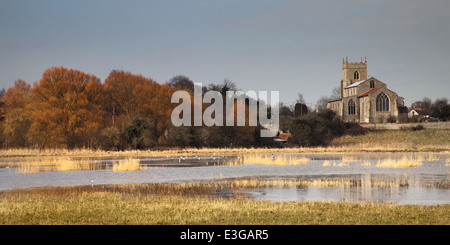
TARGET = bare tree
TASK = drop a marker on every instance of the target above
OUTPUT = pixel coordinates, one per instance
(336, 93)
(181, 82)
(300, 99)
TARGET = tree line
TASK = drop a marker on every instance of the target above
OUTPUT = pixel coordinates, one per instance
(68, 108)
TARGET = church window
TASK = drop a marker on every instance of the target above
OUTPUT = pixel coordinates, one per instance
(382, 102)
(372, 84)
(351, 107)
(356, 75)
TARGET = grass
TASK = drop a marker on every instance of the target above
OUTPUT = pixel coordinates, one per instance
(127, 165)
(269, 159)
(427, 140)
(41, 164)
(33, 165)
(404, 162)
(105, 208)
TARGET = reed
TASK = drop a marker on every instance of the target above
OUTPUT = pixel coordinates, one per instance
(269, 159)
(404, 162)
(349, 159)
(432, 158)
(127, 165)
(427, 140)
(45, 164)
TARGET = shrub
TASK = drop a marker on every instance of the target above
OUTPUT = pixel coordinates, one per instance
(109, 139)
(320, 129)
(418, 127)
(353, 128)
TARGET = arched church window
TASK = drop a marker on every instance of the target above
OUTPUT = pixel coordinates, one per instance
(382, 102)
(351, 107)
(372, 84)
(356, 75)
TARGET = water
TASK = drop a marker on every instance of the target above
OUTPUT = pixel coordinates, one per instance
(428, 184)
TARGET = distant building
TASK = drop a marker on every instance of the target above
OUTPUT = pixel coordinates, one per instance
(419, 113)
(366, 100)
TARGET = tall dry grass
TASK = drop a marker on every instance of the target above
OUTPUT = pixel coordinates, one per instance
(404, 162)
(427, 140)
(127, 165)
(269, 159)
(44, 164)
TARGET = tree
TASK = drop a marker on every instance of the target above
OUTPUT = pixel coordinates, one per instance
(300, 99)
(322, 103)
(425, 103)
(286, 114)
(65, 108)
(316, 129)
(441, 109)
(156, 107)
(122, 103)
(181, 82)
(16, 119)
(131, 96)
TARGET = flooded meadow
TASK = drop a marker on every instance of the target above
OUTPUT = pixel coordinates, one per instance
(400, 178)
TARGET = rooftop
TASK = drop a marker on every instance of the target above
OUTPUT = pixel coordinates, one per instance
(355, 84)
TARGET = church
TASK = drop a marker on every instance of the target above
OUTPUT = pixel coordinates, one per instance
(366, 100)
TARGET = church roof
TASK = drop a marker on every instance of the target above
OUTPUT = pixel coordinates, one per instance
(355, 84)
(368, 92)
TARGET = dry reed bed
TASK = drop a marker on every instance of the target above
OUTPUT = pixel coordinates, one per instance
(269, 159)
(35, 165)
(428, 140)
(195, 188)
(31, 165)
(208, 188)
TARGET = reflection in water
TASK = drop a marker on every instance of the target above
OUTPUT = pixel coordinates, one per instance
(368, 188)
(324, 177)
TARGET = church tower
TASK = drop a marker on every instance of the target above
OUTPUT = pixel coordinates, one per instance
(353, 72)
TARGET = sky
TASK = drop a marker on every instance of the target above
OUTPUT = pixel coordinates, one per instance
(288, 46)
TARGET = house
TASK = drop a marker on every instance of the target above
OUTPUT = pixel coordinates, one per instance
(419, 113)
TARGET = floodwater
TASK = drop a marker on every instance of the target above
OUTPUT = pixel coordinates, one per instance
(427, 184)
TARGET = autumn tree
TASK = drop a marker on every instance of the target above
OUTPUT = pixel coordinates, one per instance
(65, 108)
(156, 107)
(16, 119)
(132, 98)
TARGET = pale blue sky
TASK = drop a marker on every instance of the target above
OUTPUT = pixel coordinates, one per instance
(284, 45)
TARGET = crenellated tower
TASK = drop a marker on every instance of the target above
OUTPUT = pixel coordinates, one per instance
(353, 72)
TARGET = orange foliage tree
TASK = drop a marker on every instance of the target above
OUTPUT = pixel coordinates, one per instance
(130, 96)
(65, 108)
(17, 122)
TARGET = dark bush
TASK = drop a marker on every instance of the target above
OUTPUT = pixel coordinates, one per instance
(353, 128)
(109, 139)
(418, 127)
(310, 130)
(139, 135)
(321, 129)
